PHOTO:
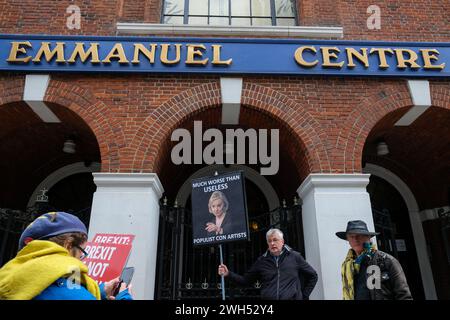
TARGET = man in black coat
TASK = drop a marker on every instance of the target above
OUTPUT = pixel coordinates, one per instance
(280, 271)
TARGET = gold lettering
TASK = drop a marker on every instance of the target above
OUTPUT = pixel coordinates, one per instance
(192, 53)
(401, 61)
(165, 52)
(16, 48)
(298, 55)
(427, 55)
(84, 55)
(140, 48)
(45, 50)
(116, 52)
(382, 56)
(329, 53)
(216, 56)
(362, 57)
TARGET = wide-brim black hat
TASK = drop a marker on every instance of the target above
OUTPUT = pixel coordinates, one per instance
(357, 227)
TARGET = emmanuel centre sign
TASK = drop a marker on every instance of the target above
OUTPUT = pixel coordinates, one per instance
(33, 53)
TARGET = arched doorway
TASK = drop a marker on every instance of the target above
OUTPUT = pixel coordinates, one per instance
(74, 195)
(32, 150)
(70, 189)
(391, 219)
(187, 272)
(413, 161)
(190, 272)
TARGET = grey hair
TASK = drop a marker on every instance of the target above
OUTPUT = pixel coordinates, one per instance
(274, 231)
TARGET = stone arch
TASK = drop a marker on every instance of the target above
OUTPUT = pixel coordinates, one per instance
(97, 116)
(440, 94)
(94, 113)
(360, 122)
(147, 140)
(60, 174)
(157, 126)
(302, 124)
(371, 110)
(11, 89)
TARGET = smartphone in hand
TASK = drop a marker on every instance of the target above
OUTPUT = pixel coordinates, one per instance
(125, 277)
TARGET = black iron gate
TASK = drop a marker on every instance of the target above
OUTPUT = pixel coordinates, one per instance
(13, 222)
(383, 225)
(185, 271)
(444, 219)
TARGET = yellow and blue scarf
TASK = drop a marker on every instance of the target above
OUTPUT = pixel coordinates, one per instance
(37, 266)
(351, 266)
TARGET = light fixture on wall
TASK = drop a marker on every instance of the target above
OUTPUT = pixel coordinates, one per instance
(69, 146)
(382, 148)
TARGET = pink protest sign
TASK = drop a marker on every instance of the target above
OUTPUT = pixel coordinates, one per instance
(107, 255)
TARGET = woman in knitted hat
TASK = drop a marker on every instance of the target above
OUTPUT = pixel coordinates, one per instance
(48, 265)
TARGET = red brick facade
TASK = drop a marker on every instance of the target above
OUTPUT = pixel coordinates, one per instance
(133, 118)
(328, 124)
(400, 20)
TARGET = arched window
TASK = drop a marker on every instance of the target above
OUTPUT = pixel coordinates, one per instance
(230, 12)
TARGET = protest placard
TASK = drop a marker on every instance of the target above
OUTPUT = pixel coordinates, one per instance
(219, 211)
(107, 255)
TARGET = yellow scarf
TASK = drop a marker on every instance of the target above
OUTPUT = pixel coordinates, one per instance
(350, 267)
(37, 266)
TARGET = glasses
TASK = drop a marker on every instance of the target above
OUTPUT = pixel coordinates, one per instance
(84, 253)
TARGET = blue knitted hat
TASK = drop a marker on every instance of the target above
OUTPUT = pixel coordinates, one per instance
(51, 224)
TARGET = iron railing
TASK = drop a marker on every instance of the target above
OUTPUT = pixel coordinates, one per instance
(185, 271)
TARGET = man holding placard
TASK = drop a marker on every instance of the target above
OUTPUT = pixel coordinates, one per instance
(280, 270)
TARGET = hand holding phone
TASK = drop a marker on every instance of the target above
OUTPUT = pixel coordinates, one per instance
(125, 277)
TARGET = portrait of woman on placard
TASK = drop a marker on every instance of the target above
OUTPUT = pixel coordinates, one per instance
(221, 222)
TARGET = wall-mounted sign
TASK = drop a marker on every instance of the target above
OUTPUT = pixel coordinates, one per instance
(32, 53)
(400, 244)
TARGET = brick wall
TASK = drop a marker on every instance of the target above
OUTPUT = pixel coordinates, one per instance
(329, 124)
(400, 20)
(50, 17)
(132, 116)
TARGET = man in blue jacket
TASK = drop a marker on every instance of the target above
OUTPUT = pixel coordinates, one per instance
(280, 270)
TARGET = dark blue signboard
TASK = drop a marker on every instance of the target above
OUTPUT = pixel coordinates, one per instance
(32, 53)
